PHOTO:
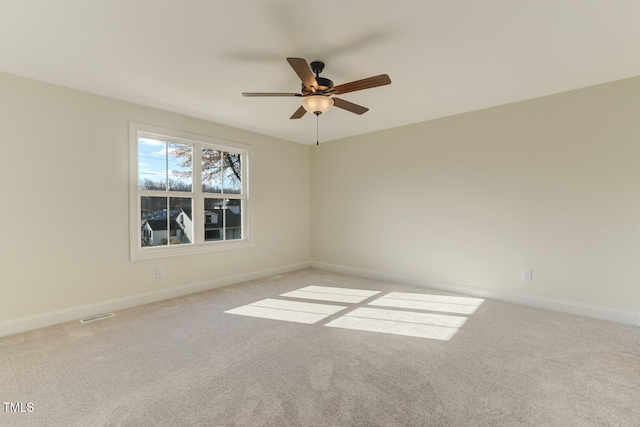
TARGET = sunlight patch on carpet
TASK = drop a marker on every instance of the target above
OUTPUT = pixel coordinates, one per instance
(397, 313)
(327, 293)
(421, 325)
(290, 311)
(441, 303)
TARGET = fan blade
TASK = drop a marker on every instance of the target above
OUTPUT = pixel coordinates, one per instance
(299, 113)
(303, 71)
(269, 94)
(376, 81)
(349, 106)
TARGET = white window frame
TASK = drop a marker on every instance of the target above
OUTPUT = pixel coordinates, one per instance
(137, 252)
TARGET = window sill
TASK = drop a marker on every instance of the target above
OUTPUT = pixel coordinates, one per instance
(139, 254)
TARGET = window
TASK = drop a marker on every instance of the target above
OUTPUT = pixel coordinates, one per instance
(188, 193)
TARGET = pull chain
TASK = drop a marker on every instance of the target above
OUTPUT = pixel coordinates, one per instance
(317, 139)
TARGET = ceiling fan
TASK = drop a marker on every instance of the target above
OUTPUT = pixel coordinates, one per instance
(318, 92)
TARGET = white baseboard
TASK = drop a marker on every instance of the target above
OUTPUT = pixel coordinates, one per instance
(603, 313)
(23, 324)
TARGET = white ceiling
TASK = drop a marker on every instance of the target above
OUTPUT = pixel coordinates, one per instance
(195, 57)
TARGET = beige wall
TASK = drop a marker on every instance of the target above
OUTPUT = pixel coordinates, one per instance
(551, 184)
(65, 203)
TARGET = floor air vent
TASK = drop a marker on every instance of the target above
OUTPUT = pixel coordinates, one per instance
(97, 317)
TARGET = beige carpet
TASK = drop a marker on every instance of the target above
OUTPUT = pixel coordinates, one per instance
(312, 348)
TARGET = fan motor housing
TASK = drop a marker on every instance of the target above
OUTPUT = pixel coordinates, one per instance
(323, 85)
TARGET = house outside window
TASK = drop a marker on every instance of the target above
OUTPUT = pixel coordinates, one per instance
(189, 193)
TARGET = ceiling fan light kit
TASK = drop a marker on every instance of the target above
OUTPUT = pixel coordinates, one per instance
(317, 92)
(317, 104)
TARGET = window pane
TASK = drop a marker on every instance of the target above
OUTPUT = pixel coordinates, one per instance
(233, 219)
(211, 171)
(181, 225)
(152, 164)
(232, 173)
(180, 164)
(153, 221)
(213, 219)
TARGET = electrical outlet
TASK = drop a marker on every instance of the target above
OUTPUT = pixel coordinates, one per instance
(159, 272)
(527, 275)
